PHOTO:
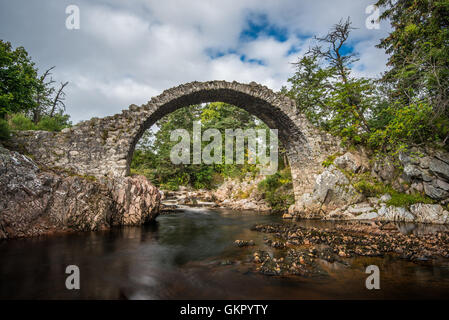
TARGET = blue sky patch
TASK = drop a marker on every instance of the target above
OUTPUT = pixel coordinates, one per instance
(258, 25)
(244, 58)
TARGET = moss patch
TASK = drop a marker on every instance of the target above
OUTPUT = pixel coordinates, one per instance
(373, 188)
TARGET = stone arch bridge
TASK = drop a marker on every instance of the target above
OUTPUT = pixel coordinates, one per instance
(103, 147)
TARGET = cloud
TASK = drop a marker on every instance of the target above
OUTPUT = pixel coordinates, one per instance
(126, 52)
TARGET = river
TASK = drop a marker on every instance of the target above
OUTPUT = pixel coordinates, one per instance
(191, 255)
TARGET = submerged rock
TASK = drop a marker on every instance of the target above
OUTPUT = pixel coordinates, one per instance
(243, 243)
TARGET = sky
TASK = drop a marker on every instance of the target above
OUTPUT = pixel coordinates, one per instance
(126, 52)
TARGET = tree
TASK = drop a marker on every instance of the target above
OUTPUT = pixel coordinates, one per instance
(310, 87)
(43, 93)
(49, 100)
(152, 155)
(18, 80)
(419, 57)
(326, 91)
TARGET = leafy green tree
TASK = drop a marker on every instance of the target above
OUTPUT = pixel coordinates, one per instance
(419, 57)
(18, 80)
(325, 90)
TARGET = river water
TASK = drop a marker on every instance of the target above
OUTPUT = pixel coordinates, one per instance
(188, 255)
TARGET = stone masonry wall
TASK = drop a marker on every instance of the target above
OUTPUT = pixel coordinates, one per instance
(103, 147)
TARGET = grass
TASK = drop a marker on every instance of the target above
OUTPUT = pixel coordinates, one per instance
(398, 199)
(330, 159)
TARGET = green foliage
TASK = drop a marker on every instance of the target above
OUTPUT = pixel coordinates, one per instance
(373, 188)
(406, 200)
(4, 130)
(55, 123)
(172, 185)
(407, 107)
(326, 92)
(152, 154)
(18, 80)
(410, 123)
(418, 46)
(21, 122)
(418, 49)
(277, 190)
(330, 160)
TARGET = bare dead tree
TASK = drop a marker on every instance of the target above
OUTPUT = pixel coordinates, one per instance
(59, 98)
(335, 41)
(45, 90)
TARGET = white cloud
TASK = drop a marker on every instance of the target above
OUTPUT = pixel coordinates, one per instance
(126, 52)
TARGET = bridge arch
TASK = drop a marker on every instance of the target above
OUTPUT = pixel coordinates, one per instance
(103, 147)
(272, 109)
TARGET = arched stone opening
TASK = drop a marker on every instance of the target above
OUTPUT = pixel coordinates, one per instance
(289, 135)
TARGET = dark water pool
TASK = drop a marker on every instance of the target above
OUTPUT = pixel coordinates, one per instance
(184, 256)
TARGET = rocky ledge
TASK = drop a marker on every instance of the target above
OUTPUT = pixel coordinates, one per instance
(36, 200)
(354, 187)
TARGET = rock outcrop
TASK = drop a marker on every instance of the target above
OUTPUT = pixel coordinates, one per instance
(335, 198)
(36, 201)
(332, 188)
(427, 171)
(136, 201)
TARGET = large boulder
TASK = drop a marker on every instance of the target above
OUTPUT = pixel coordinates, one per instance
(136, 201)
(332, 190)
(392, 213)
(439, 167)
(35, 201)
(429, 213)
(427, 171)
(352, 162)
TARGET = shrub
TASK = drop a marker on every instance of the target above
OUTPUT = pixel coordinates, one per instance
(370, 189)
(170, 185)
(277, 190)
(21, 122)
(406, 200)
(398, 199)
(55, 123)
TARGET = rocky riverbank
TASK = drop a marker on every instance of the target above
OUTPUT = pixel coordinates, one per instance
(300, 250)
(232, 193)
(354, 186)
(35, 200)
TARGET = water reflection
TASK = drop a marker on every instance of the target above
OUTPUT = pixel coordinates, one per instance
(179, 256)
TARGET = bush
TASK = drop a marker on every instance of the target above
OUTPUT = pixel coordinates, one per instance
(171, 185)
(406, 200)
(21, 122)
(55, 123)
(371, 189)
(398, 199)
(277, 190)
(4, 130)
